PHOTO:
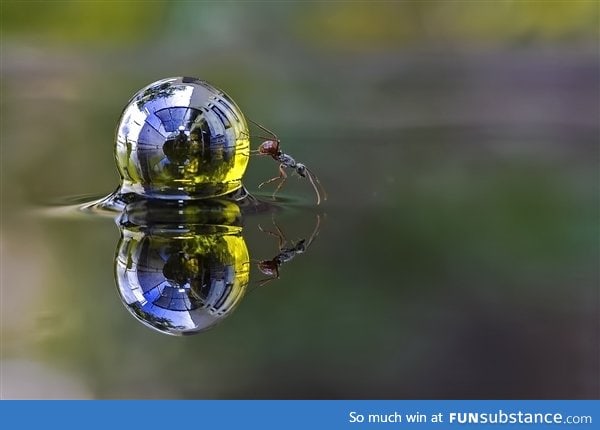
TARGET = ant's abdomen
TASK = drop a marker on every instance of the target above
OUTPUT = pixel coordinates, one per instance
(181, 138)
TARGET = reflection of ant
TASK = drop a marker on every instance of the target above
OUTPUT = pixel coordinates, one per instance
(270, 147)
(286, 253)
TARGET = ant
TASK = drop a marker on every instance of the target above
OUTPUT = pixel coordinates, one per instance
(271, 147)
(271, 267)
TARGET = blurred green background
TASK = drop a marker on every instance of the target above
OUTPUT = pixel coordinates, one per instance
(458, 141)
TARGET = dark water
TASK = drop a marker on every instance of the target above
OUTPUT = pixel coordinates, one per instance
(456, 257)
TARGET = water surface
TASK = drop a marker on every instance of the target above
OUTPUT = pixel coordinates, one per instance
(457, 255)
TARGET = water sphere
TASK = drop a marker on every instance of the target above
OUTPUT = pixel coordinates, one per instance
(183, 139)
(181, 267)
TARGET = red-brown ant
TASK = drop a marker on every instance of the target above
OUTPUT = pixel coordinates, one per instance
(271, 267)
(271, 147)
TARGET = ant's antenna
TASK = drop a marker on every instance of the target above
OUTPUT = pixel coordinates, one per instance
(263, 128)
(313, 178)
(315, 232)
(257, 136)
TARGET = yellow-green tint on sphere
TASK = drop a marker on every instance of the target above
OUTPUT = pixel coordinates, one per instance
(181, 138)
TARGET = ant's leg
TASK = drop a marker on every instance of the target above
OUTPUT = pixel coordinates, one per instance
(282, 238)
(278, 235)
(260, 283)
(282, 176)
(266, 281)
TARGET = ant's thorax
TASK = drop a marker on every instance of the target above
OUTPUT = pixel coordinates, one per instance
(286, 160)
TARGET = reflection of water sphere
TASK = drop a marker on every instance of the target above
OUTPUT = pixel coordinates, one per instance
(181, 138)
(182, 278)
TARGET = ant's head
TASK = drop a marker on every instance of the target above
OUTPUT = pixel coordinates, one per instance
(268, 267)
(301, 169)
(269, 147)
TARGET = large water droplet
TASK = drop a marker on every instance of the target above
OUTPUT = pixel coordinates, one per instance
(181, 138)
